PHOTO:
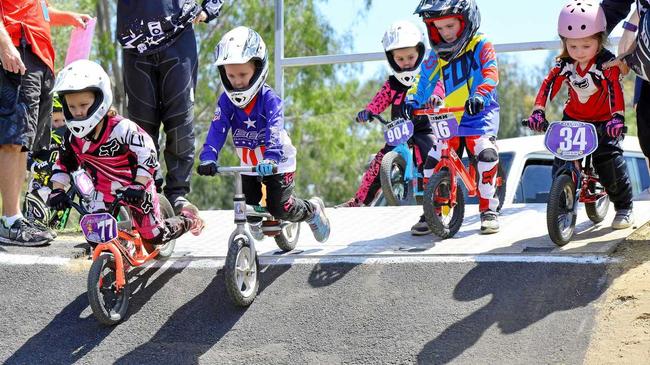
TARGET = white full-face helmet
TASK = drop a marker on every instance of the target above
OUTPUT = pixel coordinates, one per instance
(240, 46)
(84, 75)
(403, 34)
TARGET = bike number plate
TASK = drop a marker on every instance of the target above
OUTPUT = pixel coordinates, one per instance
(444, 126)
(398, 132)
(571, 140)
(240, 211)
(99, 227)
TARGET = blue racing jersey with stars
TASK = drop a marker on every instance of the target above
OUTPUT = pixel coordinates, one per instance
(257, 131)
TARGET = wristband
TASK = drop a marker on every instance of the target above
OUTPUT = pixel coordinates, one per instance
(629, 26)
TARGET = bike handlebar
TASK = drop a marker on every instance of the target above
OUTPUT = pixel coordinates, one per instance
(444, 110)
(237, 169)
(524, 122)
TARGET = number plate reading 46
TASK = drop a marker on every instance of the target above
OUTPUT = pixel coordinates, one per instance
(569, 140)
(444, 126)
(99, 228)
(398, 132)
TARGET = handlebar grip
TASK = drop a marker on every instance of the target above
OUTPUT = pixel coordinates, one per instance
(524, 122)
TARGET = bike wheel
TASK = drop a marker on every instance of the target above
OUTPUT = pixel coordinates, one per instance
(597, 210)
(396, 190)
(167, 211)
(443, 218)
(288, 238)
(108, 304)
(240, 273)
(561, 211)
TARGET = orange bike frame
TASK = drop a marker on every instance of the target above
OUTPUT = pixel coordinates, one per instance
(143, 253)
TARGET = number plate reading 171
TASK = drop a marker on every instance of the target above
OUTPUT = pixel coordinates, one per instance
(444, 126)
(570, 140)
(99, 227)
(398, 132)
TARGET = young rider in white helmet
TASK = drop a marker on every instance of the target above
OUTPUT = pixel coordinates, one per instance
(254, 112)
(404, 46)
(595, 95)
(115, 152)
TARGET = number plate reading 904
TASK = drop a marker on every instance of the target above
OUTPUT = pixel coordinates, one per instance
(571, 140)
(398, 131)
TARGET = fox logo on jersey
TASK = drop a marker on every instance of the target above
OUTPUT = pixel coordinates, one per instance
(110, 149)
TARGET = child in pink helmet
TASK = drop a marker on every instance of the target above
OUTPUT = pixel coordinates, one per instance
(595, 95)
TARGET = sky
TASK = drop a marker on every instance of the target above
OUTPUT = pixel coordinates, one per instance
(502, 21)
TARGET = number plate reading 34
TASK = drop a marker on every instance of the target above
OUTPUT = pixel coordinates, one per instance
(570, 141)
(444, 126)
(99, 228)
(398, 132)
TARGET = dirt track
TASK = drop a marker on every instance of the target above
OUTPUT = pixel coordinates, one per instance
(622, 334)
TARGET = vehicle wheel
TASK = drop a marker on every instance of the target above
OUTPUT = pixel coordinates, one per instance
(241, 277)
(443, 218)
(561, 210)
(108, 304)
(391, 173)
(288, 239)
(598, 210)
(167, 211)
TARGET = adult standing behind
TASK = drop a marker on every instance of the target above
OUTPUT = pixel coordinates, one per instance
(26, 78)
(635, 56)
(160, 68)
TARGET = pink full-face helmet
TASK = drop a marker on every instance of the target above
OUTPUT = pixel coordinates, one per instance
(581, 19)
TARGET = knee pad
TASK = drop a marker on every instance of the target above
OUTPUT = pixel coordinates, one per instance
(488, 155)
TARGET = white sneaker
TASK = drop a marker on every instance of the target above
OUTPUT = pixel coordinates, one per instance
(623, 219)
(489, 222)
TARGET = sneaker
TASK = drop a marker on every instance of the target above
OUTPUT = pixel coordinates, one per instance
(319, 224)
(43, 227)
(23, 233)
(256, 230)
(191, 212)
(489, 222)
(352, 203)
(421, 228)
(623, 219)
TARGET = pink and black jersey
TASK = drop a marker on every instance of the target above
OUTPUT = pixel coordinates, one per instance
(392, 94)
(595, 94)
(120, 153)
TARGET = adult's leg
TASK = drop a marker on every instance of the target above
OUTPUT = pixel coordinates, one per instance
(643, 118)
(177, 80)
(13, 161)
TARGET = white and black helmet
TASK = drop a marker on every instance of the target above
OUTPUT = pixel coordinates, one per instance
(84, 75)
(239, 46)
(403, 34)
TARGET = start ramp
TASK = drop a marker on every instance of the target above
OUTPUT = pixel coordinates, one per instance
(385, 232)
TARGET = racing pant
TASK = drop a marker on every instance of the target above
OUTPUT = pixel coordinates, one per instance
(280, 201)
(423, 140)
(147, 217)
(160, 90)
(484, 149)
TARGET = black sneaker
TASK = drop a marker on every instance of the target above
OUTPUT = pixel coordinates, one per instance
(23, 233)
(421, 228)
(43, 227)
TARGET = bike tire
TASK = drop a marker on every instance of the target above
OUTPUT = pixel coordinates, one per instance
(288, 238)
(111, 310)
(433, 212)
(167, 211)
(561, 211)
(242, 283)
(389, 182)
